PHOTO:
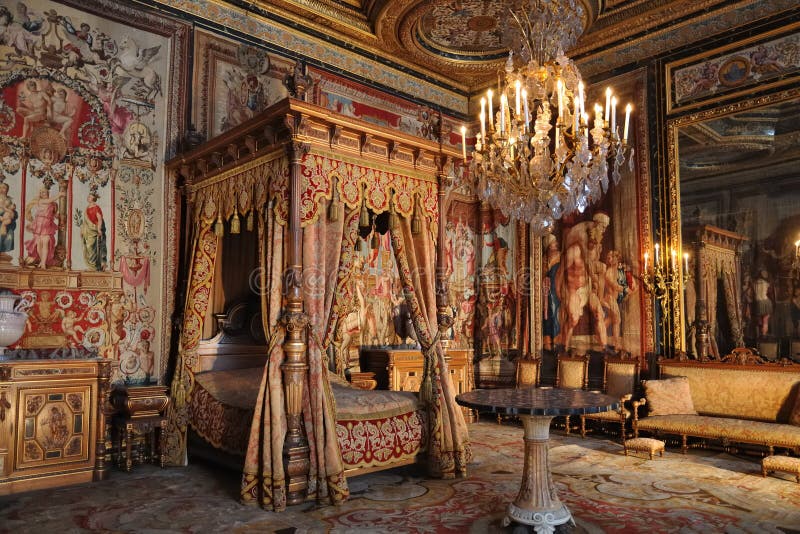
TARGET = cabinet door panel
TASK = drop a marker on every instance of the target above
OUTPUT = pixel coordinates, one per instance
(54, 425)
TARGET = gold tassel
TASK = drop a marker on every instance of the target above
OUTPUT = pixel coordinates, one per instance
(219, 228)
(416, 221)
(376, 241)
(236, 225)
(250, 220)
(334, 210)
(394, 220)
(363, 218)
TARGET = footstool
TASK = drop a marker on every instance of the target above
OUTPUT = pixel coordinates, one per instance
(648, 445)
(785, 464)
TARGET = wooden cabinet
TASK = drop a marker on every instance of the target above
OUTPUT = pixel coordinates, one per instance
(52, 425)
(401, 369)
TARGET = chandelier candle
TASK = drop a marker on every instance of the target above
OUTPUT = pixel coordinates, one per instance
(535, 162)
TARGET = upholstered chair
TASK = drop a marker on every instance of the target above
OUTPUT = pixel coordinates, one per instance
(794, 350)
(769, 349)
(620, 380)
(528, 371)
(572, 372)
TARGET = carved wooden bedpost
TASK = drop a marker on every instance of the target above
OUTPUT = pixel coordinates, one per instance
(701, 312)
(444, 317)
(295, 365)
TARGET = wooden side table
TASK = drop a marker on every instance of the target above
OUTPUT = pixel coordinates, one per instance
(141, 415)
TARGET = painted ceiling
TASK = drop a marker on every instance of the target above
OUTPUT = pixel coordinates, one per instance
(459, 43)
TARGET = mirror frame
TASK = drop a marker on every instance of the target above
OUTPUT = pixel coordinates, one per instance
(674, 238)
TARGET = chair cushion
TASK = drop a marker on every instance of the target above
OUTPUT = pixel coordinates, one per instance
(620, 378)
(613, 415)
(670, 396)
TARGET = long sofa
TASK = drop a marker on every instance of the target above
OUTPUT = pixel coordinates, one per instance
(742, 401)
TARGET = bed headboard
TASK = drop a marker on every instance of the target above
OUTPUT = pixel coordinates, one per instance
(239, 343)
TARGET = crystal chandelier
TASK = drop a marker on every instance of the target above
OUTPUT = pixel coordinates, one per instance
(538, 157)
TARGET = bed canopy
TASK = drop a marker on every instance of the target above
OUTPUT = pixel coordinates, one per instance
(303, 177)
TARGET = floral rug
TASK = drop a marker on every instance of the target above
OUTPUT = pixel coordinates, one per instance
(704, 491)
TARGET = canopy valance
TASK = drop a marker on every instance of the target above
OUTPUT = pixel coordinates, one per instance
(340, 159)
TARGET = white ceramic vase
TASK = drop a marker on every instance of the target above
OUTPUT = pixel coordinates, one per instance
(12, 321)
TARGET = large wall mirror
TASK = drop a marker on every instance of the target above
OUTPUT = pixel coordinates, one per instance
(735, 195)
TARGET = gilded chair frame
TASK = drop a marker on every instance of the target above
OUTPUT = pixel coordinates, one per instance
(622, 412)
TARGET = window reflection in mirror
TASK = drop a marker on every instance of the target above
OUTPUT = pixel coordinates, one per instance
(739, 178)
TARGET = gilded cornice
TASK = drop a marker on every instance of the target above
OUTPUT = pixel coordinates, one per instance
(602, 57)
(636, 19)
(324, 14)
(368, 62)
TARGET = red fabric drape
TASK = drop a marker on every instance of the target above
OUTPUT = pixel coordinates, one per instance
(449, 449)
(201, 278)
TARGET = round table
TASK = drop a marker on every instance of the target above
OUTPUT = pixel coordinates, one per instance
(537, 503)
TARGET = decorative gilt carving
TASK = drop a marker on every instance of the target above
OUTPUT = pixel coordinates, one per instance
(4, 405)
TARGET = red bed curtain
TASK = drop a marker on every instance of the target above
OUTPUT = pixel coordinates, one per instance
(448, 450)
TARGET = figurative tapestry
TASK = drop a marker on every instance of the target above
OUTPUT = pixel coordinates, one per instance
(591, 292)
(234, 82)
(498, 323)
(461, 249)
(361, 102)
(766, 62)
(377, 315)
(82, 135)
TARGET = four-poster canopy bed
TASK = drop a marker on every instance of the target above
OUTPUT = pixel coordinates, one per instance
(301, 176)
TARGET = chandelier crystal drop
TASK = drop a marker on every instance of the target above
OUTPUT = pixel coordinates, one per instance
(539, 155)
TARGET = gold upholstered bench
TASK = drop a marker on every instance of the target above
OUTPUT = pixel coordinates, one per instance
(785, 464)
(648, 445)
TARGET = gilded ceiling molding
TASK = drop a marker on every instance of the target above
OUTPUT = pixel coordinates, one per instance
(320, 49)
(599, 59)
(325, 13)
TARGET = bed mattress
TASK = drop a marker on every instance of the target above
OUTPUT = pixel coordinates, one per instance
(374, 428)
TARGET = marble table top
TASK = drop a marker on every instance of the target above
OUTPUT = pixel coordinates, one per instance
(538, 401)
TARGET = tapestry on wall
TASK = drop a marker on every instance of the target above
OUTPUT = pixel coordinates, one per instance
(462, 257)
(499, 324)
(83, 131)
(234, 82)
(377, 314)
(356, 100)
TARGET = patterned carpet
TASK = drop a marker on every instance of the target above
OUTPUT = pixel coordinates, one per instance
(704, 491)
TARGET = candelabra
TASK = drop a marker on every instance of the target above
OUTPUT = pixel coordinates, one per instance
(664, 281)
(660, 281)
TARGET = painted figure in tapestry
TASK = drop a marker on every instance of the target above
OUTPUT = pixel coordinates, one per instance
(551, 304)
(498, 297)
(582, 276)
(8, 222)
(33, 104)
(41, 216)
(93, 234)
(461, 285)
(763, 302)
(619, 283)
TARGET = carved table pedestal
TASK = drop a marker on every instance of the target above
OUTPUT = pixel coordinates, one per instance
(537, 503)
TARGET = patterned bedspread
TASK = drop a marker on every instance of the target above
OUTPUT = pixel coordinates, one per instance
(374, 428)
